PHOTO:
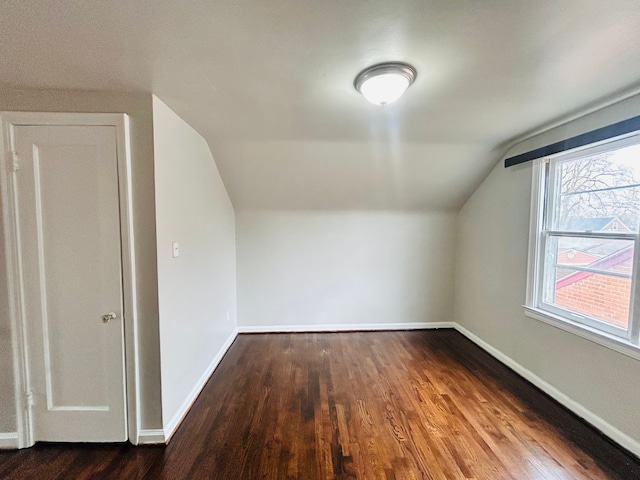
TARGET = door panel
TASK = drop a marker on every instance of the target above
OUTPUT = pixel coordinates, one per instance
(69, 227)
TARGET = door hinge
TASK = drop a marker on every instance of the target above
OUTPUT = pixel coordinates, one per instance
(30, 400)
(15, 162)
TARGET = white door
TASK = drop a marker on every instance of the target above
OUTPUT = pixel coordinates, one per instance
(69, 240)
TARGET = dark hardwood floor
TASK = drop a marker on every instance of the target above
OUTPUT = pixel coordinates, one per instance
(366, 405)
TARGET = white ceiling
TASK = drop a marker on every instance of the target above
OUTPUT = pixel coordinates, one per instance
(269, 83)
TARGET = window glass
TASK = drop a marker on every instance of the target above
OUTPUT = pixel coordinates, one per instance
(590, 276)
(600, 192)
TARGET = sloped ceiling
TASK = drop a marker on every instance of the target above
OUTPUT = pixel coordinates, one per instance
(269, 84)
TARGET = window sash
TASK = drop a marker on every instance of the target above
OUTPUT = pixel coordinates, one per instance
(547, 283)
(603, 235)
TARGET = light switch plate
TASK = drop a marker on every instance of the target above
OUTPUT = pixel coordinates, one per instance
(176, 249)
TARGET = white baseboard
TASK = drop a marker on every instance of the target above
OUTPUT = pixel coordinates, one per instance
(151, 436)
(9, 440)
(587, 415)
(174, 423)
(356, 327)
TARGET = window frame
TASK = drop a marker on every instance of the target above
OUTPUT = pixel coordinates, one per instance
(542, 200)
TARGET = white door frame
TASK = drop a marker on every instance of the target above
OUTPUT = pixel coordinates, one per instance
(15, 281)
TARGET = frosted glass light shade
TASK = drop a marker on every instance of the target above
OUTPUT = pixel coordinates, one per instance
(385, 83)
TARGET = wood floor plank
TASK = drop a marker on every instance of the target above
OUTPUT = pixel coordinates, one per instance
(359, 405)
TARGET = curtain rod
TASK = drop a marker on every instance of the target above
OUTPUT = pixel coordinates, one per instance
(599, 105)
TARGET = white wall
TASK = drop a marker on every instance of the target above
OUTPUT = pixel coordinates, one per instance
(492, 243)
(196, 290)
(339, 269)
(138, 107)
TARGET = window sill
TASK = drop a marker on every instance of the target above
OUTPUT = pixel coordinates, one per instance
(618, 344)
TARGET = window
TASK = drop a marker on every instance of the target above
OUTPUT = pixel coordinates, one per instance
(584, 237)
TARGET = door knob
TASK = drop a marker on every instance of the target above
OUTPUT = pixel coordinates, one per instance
(108, 316)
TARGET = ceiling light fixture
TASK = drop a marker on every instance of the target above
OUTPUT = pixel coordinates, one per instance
(385, 83)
